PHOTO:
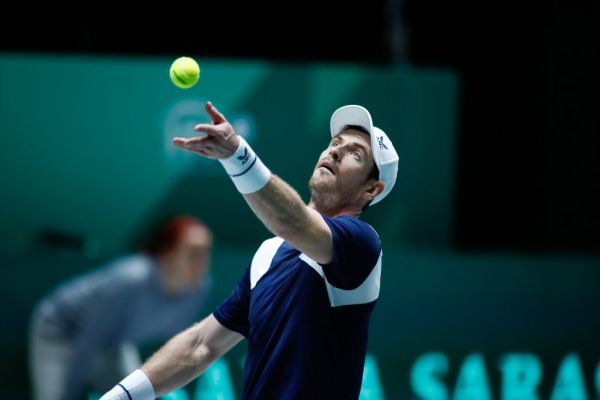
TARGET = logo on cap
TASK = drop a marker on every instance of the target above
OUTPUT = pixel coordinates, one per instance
(381, 145)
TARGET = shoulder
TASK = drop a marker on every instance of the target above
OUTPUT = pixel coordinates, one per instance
(133, 269)
(109, 285)
(108, 275)
(356, 252)
(263, 258)
(270, 244)
(354, 240)
(352, 227)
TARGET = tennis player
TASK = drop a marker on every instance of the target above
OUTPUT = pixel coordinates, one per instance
(305, 300)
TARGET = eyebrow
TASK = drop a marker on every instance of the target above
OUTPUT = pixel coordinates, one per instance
(352, 144)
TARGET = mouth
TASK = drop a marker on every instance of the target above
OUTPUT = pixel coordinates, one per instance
(328, 166)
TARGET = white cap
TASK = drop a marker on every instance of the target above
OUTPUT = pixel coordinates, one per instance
(384, 154)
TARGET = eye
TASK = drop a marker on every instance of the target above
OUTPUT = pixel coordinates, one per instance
(334, 144)
(356, 155)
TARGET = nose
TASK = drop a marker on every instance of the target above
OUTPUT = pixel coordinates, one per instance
(335, 153)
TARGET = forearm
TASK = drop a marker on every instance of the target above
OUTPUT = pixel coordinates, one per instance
(179, 361)
(279, 207)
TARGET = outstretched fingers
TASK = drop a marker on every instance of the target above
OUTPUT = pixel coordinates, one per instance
(194, 144)
(219, 133)
(215, 115)
(209, 129)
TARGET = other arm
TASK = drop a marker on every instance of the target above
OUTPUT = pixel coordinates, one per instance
(182, 358)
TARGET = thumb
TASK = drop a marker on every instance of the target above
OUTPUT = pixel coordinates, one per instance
(215, 115)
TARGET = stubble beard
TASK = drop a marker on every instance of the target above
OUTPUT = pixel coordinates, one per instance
(326, 199)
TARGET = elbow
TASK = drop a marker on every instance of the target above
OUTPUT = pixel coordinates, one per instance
(199, 350)
(203, 355)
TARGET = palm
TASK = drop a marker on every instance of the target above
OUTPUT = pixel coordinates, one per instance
(220, 140)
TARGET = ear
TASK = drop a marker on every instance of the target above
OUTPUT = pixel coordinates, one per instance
(373, 190)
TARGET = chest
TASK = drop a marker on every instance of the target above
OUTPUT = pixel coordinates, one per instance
(288, 289)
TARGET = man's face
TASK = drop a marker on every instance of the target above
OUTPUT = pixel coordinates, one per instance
(340, 176)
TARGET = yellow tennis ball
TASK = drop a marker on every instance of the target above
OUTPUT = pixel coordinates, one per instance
(185, 72)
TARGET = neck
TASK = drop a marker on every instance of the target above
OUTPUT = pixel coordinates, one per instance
(333, 211)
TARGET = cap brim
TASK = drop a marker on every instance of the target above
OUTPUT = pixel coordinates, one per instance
(350, 115)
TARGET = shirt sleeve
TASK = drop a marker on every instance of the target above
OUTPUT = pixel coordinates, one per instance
(356, 251)
(233, 312)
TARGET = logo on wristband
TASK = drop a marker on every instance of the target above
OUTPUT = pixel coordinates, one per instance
(244, 158)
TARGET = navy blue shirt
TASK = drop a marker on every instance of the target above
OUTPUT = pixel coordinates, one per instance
(306, 323)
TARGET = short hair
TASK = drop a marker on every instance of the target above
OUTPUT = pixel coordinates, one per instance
(167, 236)
(356, 128)
(374, 172)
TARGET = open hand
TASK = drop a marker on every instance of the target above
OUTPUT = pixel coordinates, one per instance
(220, 140)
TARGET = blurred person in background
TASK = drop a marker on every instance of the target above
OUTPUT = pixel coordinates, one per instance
(87, 332)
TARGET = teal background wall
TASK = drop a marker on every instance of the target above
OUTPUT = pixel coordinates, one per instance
(85, 152)
(85, 142)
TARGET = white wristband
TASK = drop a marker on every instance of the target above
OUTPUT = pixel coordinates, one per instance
(246, 170)
(136, 386)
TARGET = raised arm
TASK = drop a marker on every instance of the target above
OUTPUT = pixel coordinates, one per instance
(274, 202)
(284, 213)
(178, 362)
